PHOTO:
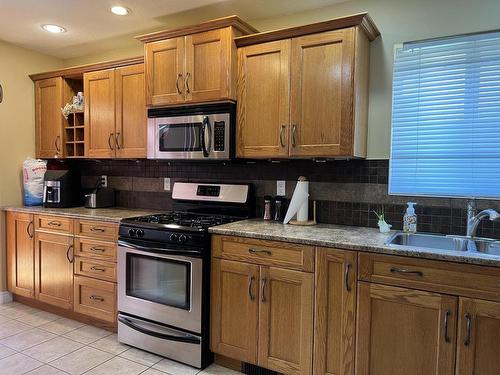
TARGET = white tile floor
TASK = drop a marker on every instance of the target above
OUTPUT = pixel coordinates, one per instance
(40, 343)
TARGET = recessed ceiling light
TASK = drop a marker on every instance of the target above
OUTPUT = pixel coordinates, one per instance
(54, 29)
(120, 11)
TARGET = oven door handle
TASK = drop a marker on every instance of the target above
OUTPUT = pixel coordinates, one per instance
(134, 246)
(187, 338)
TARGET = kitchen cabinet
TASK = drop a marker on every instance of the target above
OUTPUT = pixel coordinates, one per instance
(405, 331)
(335, 312)
(262, 313)
(192, 68)
(51, 95)
(264, 100)
(115, 113)
(20, 254)
(478, 337)
(305, 96)
(235, 304)
(54, 269)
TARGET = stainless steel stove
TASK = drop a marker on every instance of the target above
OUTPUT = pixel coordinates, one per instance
(164, 271)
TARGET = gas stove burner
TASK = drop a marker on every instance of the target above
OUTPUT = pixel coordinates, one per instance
(185, 219)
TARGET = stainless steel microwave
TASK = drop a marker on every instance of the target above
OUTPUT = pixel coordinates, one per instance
(204, 132)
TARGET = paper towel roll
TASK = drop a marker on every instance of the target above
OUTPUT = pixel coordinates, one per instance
(299, 204)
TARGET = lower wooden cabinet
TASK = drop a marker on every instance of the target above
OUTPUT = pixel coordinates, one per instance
(20, 254)
(404, 331)
(263, 315)
(95, 298)
(478, 337)
(335, 312)
(54, 269)
(235, 309)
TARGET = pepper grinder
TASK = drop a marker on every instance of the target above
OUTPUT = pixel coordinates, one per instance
(268, 207)
(279, 208)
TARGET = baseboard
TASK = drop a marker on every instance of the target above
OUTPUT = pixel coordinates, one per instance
(5, 297)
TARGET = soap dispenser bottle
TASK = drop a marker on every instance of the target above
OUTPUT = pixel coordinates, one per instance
(410, 219)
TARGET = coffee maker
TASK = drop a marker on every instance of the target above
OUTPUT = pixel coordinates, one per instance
(62, 188)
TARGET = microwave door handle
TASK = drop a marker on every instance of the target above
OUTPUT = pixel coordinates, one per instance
(206, 141)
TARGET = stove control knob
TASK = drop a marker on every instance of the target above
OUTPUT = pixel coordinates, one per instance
(140, 233)
(132, 232)
(182, 238)
(173, 237)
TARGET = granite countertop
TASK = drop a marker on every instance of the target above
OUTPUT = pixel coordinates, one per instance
(111, 214)
(343, 237)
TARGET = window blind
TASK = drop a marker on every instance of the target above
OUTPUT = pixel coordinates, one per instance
(446, 118)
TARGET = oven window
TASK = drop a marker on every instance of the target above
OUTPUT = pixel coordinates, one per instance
(180, 137)
(159, 280)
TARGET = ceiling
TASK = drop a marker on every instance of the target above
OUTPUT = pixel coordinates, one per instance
(92, 28)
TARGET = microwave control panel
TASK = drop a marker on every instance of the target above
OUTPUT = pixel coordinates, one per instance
(219, 135)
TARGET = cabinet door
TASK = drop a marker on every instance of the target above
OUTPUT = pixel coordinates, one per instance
(322, 94)
(334, 328)
(50, 97)
(286, 320)
(478, 337)
(235, 296)
(54, 269)
(164, 72)
(99, 89)
(263, 100)
(208, 65)
(20, 254)
(131, 115)
(404, 331)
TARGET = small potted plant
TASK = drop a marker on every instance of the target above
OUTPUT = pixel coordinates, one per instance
(383, 226)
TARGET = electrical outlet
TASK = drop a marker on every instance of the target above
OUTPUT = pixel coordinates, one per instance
(104, 181)
(166, 184)
(281, 188)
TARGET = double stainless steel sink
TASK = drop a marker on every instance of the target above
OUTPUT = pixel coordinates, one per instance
(430, 241)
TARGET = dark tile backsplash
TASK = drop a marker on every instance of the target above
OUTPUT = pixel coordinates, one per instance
(346, 191)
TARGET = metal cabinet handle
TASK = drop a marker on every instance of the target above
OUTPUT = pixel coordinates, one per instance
(186, 83)
(97, 229)
(405, 271)
(54, 223)
(56, 144)
(258, 251)
(111, 136)
(117, 141)
(250, 284)
(97, 269)
(96, 298)
(346, 276)
(282, 133)
(446, 319)
(294, 130)
(97, 249)
(28, 231)
(468, 329)
(263, 290)
(72, 255)
(179, 76)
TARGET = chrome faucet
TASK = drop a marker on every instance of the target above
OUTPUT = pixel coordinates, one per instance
(473, 218)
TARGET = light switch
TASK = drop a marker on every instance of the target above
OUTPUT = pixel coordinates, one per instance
(281, 188)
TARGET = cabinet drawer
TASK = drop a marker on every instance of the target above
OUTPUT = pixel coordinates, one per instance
(270, 253)
(57, 224)
(95, 298)
(96, 229)
(98, 269)
(439, 276)
(90, 248)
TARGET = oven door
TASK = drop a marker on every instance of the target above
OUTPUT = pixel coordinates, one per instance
(189, 137)
(160, 287)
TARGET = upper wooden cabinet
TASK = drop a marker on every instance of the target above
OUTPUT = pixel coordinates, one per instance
(193, 64)
(115, 113)
(20, 254)
(305, 96)
(50, 96)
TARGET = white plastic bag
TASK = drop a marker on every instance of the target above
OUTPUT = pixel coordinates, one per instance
(33, 173)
